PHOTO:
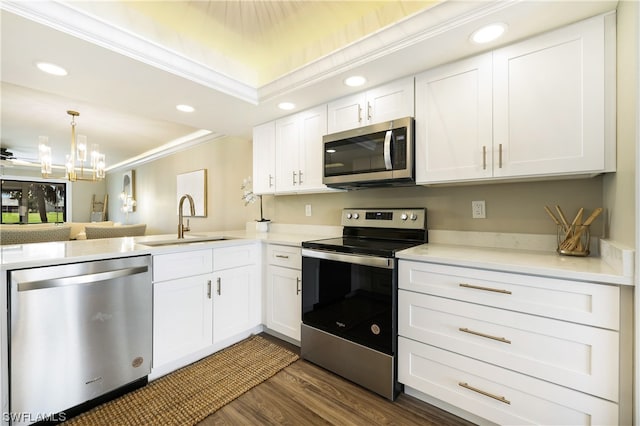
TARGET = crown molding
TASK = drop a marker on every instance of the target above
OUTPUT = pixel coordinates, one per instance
(176, 145)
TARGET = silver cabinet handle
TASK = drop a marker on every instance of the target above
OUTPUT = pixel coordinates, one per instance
(368, 111)
(485, 393)
(477, 287)
(270, 180)
(298, 286)
(359, 113)
(486, 336)
(209, 289)
(282, 256)
(300, 177)
(294, 177)
(500, 155)
(484, 157)
(219, 285)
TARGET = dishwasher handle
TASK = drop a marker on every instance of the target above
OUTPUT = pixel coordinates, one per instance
(80, 279)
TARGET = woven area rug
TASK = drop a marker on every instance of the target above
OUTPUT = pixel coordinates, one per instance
(190, 394)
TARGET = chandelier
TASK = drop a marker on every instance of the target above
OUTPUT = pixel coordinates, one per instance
(76, 159)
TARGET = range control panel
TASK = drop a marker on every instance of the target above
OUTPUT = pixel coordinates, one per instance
(407, 218)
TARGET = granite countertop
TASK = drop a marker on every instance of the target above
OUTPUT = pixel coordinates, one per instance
(533, 262)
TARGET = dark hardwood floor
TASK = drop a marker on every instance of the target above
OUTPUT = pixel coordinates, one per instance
(305, 394)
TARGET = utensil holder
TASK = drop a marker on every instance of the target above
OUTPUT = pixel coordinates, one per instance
(574, 241)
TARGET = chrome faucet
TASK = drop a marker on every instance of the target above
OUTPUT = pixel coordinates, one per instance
(181, 227)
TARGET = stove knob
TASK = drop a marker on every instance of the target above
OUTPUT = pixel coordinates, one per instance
(403, 216)
(356, 215)
(413, 216)
(348, 215)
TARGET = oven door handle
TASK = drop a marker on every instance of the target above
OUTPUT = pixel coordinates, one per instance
(375, 261)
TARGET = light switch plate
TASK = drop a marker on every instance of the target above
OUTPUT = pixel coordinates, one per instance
(307, 209)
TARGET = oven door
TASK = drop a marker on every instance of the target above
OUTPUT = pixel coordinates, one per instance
(350, 296)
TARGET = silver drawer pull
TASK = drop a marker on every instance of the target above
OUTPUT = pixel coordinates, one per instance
(488, 336)
(481, 392)
(477, 287)
(282, 256)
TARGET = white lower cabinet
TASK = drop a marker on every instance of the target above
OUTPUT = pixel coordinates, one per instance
(510, 348)
(202, 298)
(284, 288)
(237, 291)
(182, 320)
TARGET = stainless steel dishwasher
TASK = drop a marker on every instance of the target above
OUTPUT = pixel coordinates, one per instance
(77, 332)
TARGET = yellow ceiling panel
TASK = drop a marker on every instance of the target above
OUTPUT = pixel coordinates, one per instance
(255, 41)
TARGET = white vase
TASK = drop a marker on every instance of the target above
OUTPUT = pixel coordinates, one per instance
(262, 226)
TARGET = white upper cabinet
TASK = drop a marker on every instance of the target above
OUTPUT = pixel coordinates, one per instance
(383, 103)
(298, 140)
(549, 102)
(264, 158)
(535, 108)
(454, 122)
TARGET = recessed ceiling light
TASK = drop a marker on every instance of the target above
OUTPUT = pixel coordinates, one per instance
(286, 106)
(52, 69)
(488, 33)
(185, 108)
(355, 80)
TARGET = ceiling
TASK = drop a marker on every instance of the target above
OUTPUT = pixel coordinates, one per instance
(130, 63)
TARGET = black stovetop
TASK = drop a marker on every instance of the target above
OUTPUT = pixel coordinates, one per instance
(358, 245)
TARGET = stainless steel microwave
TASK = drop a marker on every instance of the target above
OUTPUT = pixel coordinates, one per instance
(377, 155)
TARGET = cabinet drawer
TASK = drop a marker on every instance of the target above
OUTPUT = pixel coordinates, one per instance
(234, 256)
(494, 393)
(182, 264)
(573, 355)
(584, 303)
(287, 256)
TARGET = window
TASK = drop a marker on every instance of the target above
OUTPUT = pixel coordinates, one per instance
(28, 201)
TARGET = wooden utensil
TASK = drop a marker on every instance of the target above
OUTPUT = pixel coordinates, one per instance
(553, 217)
(563, 219)
(576, 221)
(570, 243)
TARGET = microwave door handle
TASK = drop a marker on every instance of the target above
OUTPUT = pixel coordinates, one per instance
(387, 149)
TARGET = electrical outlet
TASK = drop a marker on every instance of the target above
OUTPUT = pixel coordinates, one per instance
(478, 210)
(307, 210)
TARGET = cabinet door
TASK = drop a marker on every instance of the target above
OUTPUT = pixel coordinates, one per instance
(346, 113)
(284, 309)
(264, 158)
(287, 146)
(454, 121)
(313, 126)
(235, 302)
(549, 103)
(391, 101)
(182, 318)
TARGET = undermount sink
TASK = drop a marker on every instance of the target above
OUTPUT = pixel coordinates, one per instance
(183, 241)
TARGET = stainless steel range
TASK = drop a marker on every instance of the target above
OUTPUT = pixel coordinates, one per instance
(349, 295)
